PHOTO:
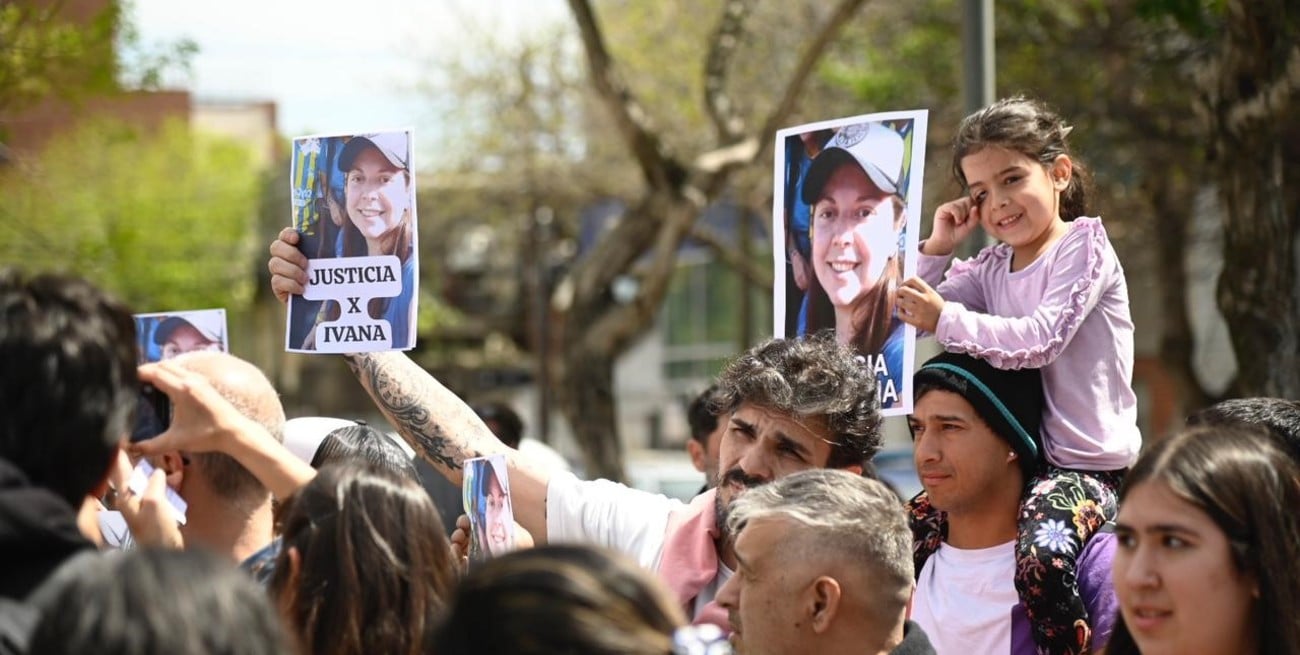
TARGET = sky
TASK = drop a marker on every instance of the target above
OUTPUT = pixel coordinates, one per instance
(332, 66)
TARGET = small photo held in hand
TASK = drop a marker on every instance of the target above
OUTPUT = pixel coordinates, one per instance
(164, 335)
(487, 503)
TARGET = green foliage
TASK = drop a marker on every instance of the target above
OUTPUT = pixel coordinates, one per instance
(163, 220)
(1200, 18)
(42, 54)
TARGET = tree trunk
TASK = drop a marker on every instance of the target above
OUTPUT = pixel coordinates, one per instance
(642, 246)
(1251, 101)
(1171, 204)
(587, 400)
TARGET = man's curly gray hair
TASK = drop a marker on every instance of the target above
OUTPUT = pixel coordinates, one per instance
(814, 379)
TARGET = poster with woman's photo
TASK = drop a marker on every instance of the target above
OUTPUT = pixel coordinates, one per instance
(164, 335)
(353, 202)
(486, 489)
(846, 215)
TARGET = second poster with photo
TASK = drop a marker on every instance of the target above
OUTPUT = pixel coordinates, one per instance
(353, 202)
(846, 213)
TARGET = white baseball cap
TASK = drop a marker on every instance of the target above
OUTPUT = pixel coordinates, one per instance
(874, 147)
(210, 324)
(394, 146)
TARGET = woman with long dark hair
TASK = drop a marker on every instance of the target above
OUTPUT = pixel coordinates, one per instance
(1209, 548)
(365, 566)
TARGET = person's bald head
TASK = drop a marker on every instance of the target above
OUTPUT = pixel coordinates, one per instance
(247, 388)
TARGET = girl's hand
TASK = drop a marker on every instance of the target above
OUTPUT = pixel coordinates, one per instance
(919, 305)
(953, 222)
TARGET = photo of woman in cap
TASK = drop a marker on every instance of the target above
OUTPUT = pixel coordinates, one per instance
(163, 336)
(856, 226)
(487, 503)
(370, 201)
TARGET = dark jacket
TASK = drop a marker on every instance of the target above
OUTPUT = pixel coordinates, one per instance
(914, 642)
(38, 533)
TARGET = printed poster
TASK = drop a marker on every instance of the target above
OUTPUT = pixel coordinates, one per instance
(847, 203)
(353, 203)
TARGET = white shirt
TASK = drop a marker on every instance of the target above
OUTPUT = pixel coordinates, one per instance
(965, 599)
(609, 514)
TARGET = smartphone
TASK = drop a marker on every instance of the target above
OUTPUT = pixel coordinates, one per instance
(153, 413)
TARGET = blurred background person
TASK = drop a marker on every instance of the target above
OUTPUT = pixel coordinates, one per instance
(707, 426)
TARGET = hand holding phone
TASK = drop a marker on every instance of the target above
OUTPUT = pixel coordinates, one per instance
(153, 413)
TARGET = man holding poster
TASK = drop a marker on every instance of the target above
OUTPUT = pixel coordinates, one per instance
(856, 192)
(362, 274)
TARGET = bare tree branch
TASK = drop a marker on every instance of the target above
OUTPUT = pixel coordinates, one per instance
(817, 46)
(621, 323)
(723, 46)
(719, 163)
(728, 254)
(658, 166)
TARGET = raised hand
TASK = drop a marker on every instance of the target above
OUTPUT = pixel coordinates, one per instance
(288, 265)
(202, 420)
(953, 222)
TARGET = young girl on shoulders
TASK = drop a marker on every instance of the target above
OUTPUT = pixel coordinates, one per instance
(1051, 295)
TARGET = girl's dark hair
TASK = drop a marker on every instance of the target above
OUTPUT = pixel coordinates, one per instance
(560, 599)
(485, 480)
(375, 570)
(1030, 128)
(873, 312)
(1250, 488)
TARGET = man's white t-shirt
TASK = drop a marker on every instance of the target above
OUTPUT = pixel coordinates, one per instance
(965, 599)
(609, 514)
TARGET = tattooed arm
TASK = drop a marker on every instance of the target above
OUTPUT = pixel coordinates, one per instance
(446, 432)
(437, 423)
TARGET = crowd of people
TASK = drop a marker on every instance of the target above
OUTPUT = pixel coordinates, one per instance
(1044, 526)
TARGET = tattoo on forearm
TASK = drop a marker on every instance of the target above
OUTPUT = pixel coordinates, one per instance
(405, 399)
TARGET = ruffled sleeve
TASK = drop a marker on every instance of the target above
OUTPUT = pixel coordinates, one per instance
(1073, 287)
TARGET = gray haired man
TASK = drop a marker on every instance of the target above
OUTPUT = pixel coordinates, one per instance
(825, 566)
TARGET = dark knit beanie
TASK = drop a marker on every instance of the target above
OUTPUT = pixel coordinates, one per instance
(1010, 402)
